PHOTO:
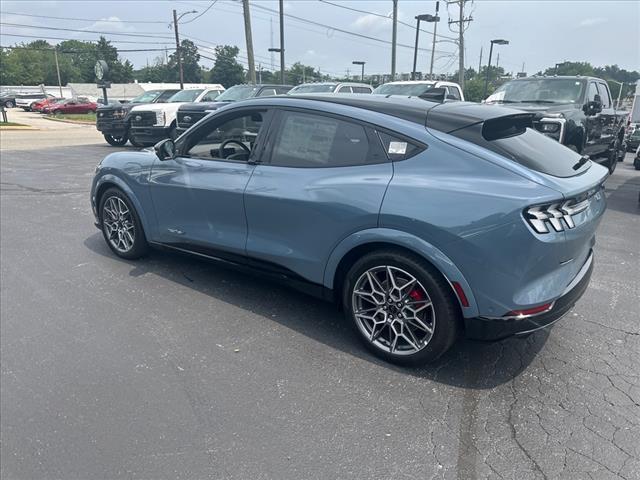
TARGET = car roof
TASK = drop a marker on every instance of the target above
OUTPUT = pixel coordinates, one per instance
(444, 117)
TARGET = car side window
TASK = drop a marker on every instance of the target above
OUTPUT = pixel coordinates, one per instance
(604, 95)
(210, 96)
(592, 92)
(454, 93)
(398, 148)
(308, 140)
(282, 90)
(164, 96)
(231, 138)
(267, 92)
(361, 89)
(345, 89)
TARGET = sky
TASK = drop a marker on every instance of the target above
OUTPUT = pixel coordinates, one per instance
(540, 33)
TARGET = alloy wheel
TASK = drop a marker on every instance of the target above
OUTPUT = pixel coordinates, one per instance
(393, 310)
(118, 224)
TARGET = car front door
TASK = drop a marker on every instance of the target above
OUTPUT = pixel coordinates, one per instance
(607, 117)
(198, 196)
(322, 178)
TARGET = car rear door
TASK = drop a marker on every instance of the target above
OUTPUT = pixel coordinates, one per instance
(198, 196)
(323, 178)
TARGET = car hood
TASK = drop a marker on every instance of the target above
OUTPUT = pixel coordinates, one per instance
(157, 107)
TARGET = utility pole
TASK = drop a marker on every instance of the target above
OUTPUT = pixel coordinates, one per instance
(247, 34)
(178, 53)
(55, 54)
(259, 73)
(394, 37)
(480, 61)
(271, 36)
(497, 61)
(282, 41)
(460, 22)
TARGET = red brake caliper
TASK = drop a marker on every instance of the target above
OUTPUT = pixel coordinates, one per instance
(416, 295)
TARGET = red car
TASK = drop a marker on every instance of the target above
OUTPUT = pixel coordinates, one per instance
(40, 104)
(73, 105)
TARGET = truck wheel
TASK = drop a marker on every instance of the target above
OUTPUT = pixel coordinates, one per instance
(9, 104)
(613, 156)
(116, 140)
(136, 144)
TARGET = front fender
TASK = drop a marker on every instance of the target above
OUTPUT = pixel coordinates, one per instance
(112, 179)
(406, 240)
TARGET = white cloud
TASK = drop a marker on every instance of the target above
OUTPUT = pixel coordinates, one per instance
(371, 22)
(590, 22)
(110, 24)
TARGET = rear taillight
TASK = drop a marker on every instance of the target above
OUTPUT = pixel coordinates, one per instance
(556, 216)
(529, 312)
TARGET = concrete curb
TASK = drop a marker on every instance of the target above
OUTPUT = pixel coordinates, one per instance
(64, 120)
(17, 127)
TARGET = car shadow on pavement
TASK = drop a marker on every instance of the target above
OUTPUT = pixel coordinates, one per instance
(469, 364)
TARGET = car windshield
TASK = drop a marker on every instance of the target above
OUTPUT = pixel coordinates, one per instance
(186, 95)
(239, 92)
(320, 88)
(147, 97)
(411, 89)
(539, 90)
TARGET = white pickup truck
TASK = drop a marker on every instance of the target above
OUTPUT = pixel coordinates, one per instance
(153, 122)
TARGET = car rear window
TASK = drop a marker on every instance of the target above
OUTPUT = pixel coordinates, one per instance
(529, 148)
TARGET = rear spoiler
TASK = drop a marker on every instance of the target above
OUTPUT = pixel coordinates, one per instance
(434, 95)
(507, 126)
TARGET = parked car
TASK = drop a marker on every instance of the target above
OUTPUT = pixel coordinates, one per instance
(331, 87)
(24, 100)
(419, 88)
(633, 140)
(38, 105)
(153, 122)
(113, 120)
(574, 110)
(72, 105)
(422, 219)
(190, 113)
(8, 99)
(636, 160)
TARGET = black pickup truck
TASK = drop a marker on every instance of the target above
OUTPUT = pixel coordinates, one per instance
(113, 122)
(190, 113)
(577, 111)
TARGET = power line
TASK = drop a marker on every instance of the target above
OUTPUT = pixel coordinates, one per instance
(47, 37)
(143, 35)
(81, 19)
(195, 18)
(340, 29)
(383, 16)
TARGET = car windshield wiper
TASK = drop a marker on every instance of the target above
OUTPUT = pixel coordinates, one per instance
(537, 101)
(503, 101)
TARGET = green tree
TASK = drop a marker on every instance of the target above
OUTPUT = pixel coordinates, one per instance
(299, 73)
(190, 67)
(474, 89)
(226, 69)
(570, 68)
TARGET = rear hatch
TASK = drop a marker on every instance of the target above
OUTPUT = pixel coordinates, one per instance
(579, 182)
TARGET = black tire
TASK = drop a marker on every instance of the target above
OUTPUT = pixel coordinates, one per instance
(139, 247)
(9, 104)
(138, 144)
(636, 163)
(613, 157)
(116, 141)
(446, 321)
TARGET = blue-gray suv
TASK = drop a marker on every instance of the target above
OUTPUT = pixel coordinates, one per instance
(422, 220)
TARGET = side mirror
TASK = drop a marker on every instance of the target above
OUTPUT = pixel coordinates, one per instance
(593, 107)
(165, 149)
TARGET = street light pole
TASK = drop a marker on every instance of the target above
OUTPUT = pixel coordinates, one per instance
(282, 41)
(486, 78)
(436, 19)
(415, 48)
(361, 63)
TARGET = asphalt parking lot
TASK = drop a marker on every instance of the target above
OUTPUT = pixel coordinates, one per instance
(174, 368)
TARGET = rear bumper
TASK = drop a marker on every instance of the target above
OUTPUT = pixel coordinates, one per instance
(149, 134)
(482, 328)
